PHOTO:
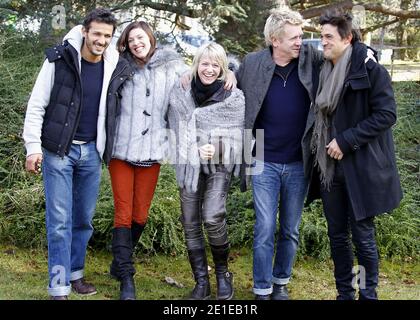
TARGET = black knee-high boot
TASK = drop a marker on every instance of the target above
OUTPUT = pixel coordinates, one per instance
(198, 261)
(123, 264)
(224, 278)
(136, 231)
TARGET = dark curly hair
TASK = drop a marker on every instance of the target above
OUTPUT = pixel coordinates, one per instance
(343, 21)
(101, 15)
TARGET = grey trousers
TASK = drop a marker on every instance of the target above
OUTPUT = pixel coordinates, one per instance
(206, 206)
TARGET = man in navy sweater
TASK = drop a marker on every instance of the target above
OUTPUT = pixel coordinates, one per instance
(279, 83)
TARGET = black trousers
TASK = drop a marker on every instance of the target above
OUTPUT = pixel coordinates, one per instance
(206, 206)
(341, 223)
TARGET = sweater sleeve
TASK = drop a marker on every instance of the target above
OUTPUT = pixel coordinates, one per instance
(39, 100)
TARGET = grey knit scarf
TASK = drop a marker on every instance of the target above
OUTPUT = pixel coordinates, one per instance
(206, 124)
(331, 81)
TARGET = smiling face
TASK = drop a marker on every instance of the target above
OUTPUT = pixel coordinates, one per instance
(332, 42)
(208, 70)
(139, 43)
(97, 39)
(288, 45)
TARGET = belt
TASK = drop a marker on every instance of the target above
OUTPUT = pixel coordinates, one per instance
(78, 142)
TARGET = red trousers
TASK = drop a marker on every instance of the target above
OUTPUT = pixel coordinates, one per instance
(133, 188)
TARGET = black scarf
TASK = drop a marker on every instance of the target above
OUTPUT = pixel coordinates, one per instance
(201, 93)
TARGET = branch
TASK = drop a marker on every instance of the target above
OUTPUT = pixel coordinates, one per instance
(348, 4)
(177, 9)
(316, 12)
(363, 31)
(378, 26)
(400, 13)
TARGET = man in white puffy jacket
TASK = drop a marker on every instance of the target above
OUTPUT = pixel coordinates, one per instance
(64, 130)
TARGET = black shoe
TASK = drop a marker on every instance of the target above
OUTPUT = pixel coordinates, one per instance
(127, 289)
(224, 286)
(201, 290)
(345, 297)
(280, 292)
(262, 297)
(58, 298)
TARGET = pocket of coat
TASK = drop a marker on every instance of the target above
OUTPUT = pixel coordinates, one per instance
(378, 154)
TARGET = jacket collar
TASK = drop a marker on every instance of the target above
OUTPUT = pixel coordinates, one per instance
(358, 77)
(75, 39)
(267, 59)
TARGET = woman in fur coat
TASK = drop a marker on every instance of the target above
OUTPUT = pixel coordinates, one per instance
(207, 123)
(136, 140)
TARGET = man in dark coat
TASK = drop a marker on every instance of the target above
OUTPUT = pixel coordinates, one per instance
(354, 152)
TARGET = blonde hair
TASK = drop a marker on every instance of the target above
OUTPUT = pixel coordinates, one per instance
(274, 26)
(213, 51)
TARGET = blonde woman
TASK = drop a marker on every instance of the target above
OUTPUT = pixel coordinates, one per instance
(208, 122)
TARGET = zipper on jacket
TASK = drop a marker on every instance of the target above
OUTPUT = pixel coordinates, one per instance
(118, 74)
(287, 76)
(78, 75)
(77, 116)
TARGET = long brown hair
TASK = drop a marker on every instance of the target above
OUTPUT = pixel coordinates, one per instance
(122, 43)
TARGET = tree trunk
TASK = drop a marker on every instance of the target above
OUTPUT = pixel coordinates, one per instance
(401, 33)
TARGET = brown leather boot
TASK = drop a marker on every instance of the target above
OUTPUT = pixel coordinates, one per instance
(82, 287)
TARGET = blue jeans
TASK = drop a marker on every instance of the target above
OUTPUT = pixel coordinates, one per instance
(283, 187)
(71, 189)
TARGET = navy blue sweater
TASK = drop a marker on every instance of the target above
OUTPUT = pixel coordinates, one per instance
(92, 77)
(283, 115)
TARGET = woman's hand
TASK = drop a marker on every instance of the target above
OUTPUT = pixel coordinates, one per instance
(206, 151)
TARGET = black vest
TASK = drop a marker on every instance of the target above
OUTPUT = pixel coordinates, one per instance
(63, 112)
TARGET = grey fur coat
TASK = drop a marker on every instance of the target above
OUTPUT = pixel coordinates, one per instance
(141, 124)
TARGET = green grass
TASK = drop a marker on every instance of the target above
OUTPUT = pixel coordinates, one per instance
(23, 276)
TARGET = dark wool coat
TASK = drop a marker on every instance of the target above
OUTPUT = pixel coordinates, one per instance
(365, 114)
